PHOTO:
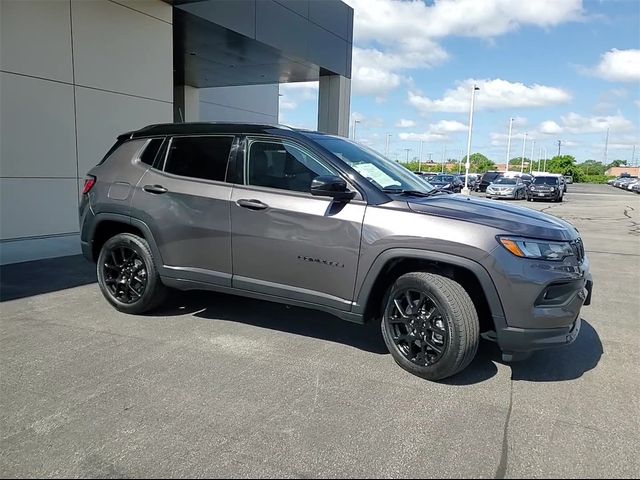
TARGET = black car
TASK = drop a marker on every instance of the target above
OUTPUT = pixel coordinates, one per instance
(449, 183)
(487, 179)
(545, 187)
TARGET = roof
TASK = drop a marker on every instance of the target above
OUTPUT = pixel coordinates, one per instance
(204, 128)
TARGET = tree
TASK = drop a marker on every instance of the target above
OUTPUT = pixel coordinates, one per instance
(565, 165)
(617, 163)
(479, 163)
(592, 167)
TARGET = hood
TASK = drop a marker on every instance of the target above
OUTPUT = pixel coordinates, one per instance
(513, 220)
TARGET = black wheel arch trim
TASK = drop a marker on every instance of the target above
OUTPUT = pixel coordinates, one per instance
(126, 220)
(488, 287)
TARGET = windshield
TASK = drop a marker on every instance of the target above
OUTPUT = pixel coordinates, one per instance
(545, 181)
(443, 178)
(380, 171)
(506, 181)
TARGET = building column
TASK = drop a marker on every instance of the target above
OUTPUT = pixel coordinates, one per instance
(334, 102)
(186, 104)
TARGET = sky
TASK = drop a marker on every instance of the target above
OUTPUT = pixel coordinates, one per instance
(564, 70)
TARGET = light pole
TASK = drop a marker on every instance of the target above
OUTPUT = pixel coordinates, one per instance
(509, 144)
(545, 158)
(407, 150)
(444, 155)
(465, 190)
(355, 122)
(524, 143)
(386, 146)
(533, 145)
(420, 157)
(460, 162)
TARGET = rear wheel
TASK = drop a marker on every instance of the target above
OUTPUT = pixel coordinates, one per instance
(127, 274)
(430, 325)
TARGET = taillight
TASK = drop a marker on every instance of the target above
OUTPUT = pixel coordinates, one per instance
(89, 182)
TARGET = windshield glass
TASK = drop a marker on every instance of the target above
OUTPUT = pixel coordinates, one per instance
(506, 181)
(443, 178)
(380, 171)
(545, 181)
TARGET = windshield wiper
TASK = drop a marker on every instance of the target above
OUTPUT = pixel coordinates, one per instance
(415, 193)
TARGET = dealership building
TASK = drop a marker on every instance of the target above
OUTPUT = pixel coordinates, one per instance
(76, 73)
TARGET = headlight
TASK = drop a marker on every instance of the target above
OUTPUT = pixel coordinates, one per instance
(553, 189)
(447, 185)
(532, 187)
(540, 249)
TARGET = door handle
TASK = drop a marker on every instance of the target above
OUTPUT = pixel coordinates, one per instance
(252, 204)
(155, 189)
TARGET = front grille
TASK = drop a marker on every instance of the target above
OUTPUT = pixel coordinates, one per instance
(578, 249)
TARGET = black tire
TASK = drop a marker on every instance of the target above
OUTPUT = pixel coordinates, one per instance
(142, 296)
(455, 317)
(561, 198)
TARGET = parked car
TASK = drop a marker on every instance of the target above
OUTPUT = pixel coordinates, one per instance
(504, 187)
(568, 179)
(632, 184)
(624, 182)
(526, 178)
(472, 180)
(320, 222)
(545, 187)
(450, 183)
(427, 176)
(636, 187)
(486, 180)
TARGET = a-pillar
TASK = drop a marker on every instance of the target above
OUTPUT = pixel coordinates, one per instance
(334, 101)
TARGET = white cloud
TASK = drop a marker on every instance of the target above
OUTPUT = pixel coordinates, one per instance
(619, 66)
(493, 94)
(403, 123)
(292, 94)
(384, 20)
(550, 127)
(392, 36)
(447, 126)
(502, 139)
(575, 123)
(426, 137)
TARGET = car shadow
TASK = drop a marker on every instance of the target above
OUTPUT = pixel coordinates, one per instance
(551, 365)
(559, 364)
(274, 316)
(26, 279)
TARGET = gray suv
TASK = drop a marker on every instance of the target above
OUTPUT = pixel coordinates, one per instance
(318, 221)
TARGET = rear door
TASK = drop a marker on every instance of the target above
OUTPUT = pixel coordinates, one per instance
(287, 242)
(184, 200)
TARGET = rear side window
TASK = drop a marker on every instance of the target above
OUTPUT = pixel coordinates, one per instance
(151, 151)
(199, 157)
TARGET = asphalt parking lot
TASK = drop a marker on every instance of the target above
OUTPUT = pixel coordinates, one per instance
(221, 386)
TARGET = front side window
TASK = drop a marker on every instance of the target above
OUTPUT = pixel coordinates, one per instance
(199, 157)
(280, 164)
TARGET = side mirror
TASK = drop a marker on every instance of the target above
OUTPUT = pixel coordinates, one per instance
(331, 186)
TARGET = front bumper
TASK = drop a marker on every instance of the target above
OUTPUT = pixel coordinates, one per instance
(542, 195)
(511, 195)
(541, 301)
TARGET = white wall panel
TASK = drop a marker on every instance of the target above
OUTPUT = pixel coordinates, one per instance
(102, 116)
(122, 50)
(37, 206)
(35, 38)
(37, 128)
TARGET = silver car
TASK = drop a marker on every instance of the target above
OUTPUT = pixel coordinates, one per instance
(504, 187)
(318, 221)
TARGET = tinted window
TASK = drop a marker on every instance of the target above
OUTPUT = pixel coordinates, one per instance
(507, 181)
(545, 181)
(199, 157)
(150, 151)
(278, 164)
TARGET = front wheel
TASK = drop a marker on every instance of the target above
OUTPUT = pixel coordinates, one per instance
(430, 325)
(127, 274)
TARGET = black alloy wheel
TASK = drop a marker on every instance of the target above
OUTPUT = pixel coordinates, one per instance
(417, 327)
(125, 274)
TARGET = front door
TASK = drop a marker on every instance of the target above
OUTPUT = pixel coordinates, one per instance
(287, 242)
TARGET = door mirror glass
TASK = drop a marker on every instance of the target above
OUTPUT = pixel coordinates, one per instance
(331, 186)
